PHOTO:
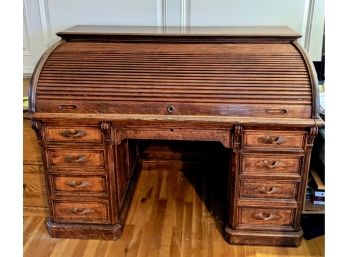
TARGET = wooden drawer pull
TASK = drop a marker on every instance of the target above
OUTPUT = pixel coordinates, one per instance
(268, 165)
(78, 184)
(63, 107)
(264, 190)
(76, 159)
(277, 111)
(271, 140)
(72, 133)
(266, 216)
(81, 211)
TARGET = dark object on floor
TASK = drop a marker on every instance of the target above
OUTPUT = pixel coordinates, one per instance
(313, 225)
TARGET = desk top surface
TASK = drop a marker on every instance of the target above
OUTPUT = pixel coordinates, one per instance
(239, 31)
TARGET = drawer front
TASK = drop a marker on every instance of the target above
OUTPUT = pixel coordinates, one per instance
(268, 189)
(73, 134)
(265, 217)
(273, 139)
(85, 184)
(81, 212)
(77, 158)
(269, 164)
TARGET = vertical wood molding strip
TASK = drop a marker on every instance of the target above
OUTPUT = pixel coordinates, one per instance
(26, 41)
(308, 24)
(45, 23)
(162, 13)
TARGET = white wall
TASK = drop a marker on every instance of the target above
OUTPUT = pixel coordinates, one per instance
(43, 18)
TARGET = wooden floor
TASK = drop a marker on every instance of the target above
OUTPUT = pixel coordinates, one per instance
(174, 212)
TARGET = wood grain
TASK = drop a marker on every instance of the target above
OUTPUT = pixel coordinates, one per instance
(254, 93)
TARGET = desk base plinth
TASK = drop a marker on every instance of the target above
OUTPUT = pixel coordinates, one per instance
(81, 231)
(242, 237)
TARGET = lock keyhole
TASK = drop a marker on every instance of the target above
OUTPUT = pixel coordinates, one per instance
(170, 108)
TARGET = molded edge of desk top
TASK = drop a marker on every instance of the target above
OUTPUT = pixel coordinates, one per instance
(238, 31)
(178, 118)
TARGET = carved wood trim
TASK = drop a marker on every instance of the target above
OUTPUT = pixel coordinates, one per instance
(237, 136)
(106, 128)
(313, 132)
(37, 127)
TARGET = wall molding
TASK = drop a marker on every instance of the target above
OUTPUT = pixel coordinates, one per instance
(26, 39)
(307, 24)
(185, 13)
(45, 23)
(162, 13)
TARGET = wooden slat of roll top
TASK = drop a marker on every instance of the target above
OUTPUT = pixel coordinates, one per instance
(220, 74)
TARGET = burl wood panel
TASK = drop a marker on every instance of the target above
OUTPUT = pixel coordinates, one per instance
(73, 134)
(81, 212)
(274, 139)
(269, 189)
(271, 164)
(265, 218)
(76, 158)
(81, 184)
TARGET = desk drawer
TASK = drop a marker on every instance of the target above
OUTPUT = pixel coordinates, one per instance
(82, 184)
(267, 218)
(81, 212)
(73, 134)
(76, 158)
(272, 189)
(268, 139)
(271, 164)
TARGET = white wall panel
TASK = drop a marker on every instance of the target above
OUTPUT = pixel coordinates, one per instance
(43, 18)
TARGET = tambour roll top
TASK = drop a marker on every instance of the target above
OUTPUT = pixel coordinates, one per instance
(218, 72)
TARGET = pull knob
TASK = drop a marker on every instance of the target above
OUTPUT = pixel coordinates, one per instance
(268, 165)
(63, 107)
(271, 140)
(76, 159)
(269, 191)
(266, 216)
(276, 111)
(78, 184)
(81, 211)
(72, 133)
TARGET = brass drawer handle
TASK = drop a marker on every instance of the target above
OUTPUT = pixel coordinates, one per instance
(268, 165)
(269, 191)
(76, 159)
(78, 184)
(72, 133)
(81, 211)
(266, 216)
(271, 140)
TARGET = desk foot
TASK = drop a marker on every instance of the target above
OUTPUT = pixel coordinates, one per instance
(242, 237)
(82, 231)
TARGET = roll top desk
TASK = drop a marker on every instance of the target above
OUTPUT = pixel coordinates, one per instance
(101, 88)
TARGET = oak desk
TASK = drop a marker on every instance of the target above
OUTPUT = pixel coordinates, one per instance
(102, 88)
